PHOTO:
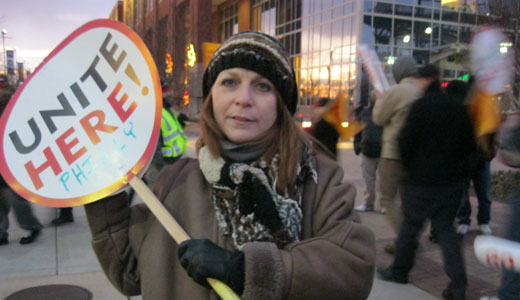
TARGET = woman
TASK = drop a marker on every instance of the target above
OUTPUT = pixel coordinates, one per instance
(268, 216)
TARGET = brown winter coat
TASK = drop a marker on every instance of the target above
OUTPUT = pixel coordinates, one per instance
(334, 259)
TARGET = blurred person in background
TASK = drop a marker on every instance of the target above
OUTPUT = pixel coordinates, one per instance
(325, 132)
(390, 112)
(8, 198)
(509, 149)
(368, 144)
(480, 175)
(172, 141)
(65, 215)
(509, 288)
(436, 145)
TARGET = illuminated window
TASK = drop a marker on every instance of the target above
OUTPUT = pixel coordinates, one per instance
(228, 20)
(148, 6)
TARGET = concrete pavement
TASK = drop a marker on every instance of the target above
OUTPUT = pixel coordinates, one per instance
(63, 255)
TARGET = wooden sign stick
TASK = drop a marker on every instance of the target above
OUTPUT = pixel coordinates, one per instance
(175, 230)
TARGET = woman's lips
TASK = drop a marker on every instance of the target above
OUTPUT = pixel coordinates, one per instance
(241, 119)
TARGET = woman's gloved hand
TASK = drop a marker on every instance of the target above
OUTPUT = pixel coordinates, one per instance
(202, 259)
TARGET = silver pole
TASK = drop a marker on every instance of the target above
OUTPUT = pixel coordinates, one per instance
(4, 32)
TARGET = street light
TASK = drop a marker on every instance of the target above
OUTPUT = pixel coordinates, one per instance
(330, 68)
(4, 32)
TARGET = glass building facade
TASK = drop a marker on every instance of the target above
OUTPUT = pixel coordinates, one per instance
(322, 36)
(424, 29)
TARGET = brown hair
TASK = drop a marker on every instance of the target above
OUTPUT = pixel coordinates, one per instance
(285, 138)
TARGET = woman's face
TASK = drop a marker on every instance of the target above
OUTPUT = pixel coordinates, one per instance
(244, 104)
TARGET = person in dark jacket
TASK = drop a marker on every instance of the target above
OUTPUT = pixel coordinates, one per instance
(368, 144)
(436, 145)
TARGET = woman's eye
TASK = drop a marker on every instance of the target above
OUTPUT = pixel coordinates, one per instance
(228, 82)
(265, 87)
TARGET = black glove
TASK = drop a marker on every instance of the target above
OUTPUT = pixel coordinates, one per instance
(203, 259)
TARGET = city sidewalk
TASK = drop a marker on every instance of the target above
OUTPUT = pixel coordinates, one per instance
(63, 255)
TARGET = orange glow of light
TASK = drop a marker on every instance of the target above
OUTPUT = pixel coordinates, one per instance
(169, 63)
(186, 98)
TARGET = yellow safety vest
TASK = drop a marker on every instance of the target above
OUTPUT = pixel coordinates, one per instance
(174, 140)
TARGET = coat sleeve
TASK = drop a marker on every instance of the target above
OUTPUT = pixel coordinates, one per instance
(336, 262)
(384, 108)
(109, 222)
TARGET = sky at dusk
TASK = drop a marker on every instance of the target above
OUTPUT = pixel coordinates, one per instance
(36, 27)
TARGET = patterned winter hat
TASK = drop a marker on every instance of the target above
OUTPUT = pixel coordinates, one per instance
(256, 52)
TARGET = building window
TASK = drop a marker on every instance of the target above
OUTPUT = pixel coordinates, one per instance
(383, 8)
(129, 15)
(450, 16)
(138, 6)
(448, 34)
(402, 33)
(421, 12)
(425, 2)
(367, 6)
(228, 21)
(422, 34)
(403, 10)
(435, 34)
(382, 30)
(148, 6)
(465, 34)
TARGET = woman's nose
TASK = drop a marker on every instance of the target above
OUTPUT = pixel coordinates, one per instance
(244, 96)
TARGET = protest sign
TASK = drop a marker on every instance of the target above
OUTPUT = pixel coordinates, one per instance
(497, 252)
(338, 115)
(492, 63)
(374, 69)
(491, 56)
(86, 121)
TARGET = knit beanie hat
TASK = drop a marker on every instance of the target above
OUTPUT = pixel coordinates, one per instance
(404, 66)
(256, 52)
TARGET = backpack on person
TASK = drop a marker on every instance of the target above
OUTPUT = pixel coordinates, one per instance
(371, 136)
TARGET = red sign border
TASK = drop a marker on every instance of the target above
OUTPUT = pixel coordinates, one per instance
(148, 153)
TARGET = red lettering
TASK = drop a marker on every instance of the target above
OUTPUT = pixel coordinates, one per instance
(91, 129)
(507, 260)
(492, 258)
(66, 148)
(34, 173)
(117, 105)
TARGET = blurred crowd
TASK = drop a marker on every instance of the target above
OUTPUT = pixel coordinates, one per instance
(422, 150)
